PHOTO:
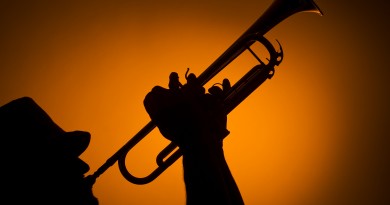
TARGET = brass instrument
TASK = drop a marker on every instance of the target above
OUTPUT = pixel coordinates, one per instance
(277, 12)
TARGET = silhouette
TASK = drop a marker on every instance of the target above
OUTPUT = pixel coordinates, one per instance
(40, 161)
(196, 122)
(174, 83)
(219, 92)
(192, 88)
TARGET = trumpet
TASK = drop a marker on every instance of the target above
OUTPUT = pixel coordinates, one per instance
(276, 13)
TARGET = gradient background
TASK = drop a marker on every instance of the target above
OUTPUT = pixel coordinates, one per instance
(316, 133)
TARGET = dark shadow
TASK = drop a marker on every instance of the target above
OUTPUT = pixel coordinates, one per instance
(40, 161)
(196, 122)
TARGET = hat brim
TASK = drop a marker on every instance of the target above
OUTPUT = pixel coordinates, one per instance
(75, 142)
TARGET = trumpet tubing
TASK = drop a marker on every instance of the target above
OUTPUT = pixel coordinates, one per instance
(277, 12)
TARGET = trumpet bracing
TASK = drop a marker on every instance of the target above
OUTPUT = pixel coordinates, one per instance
(277, 12)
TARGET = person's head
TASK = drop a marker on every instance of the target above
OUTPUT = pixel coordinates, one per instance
(41, 163)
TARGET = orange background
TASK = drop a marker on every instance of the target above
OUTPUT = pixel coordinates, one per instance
(313, 134)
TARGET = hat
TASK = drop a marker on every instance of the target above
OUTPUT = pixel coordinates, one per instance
(24, 124)
(74, 142)
(41, 160)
